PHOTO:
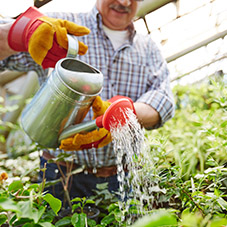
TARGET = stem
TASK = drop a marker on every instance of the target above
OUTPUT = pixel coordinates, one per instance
(44, 176)
(189, 196)
(86, 222)
(65, 180)
(63, 175)
(66, 193)
(68, 175)
(201, 211)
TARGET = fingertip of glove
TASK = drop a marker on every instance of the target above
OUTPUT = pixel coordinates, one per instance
(85, 31)
(82, 48)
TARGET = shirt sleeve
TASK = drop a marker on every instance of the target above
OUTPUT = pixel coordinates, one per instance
(159, 95)
(23, 62)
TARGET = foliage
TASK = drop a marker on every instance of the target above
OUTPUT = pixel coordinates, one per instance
(4, 125)
(184, 183)
(188, 155)
(26, 205)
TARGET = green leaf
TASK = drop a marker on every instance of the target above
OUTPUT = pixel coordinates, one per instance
(224, 124)
(77, 199)
(108, 219)
(117, 214)
(21, 221)
(75, 206)
(102, 186)
(75, 219)
(197, 124)
(91, 223)
(13, 219)
(41, 212)
(15, 186)
(8, 204)
(45, 224)
(66, 221)
(29, 225)
(28, 211)
(33, 186)
(222, 203)
(112, 207)
(79, 220)
(3, 218)
(157, 219)
(219, 222)
(89, 201)
(54, 203)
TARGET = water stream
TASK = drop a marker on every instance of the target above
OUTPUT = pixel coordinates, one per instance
(131, 152)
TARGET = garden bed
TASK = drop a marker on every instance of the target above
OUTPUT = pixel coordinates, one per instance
(185, 183)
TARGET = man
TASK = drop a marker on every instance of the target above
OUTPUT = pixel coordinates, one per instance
(132, 66)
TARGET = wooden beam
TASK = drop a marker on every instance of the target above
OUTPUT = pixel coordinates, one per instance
(39, 3)
(196, 46)
(8, 76)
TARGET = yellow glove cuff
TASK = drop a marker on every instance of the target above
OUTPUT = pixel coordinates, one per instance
(106, 141)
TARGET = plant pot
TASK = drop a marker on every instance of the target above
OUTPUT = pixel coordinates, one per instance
(91, 212)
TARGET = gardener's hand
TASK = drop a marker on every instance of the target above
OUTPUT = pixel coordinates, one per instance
(43, 37)
(96, 138)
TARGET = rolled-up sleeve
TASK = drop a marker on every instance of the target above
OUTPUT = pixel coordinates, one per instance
(159, 94)
(23, 62)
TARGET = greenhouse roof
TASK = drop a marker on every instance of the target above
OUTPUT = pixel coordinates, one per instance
(191, 34)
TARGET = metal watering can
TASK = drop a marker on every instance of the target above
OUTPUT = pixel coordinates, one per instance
(63, 100)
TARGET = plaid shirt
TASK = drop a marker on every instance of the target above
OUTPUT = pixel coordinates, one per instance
(136, 70)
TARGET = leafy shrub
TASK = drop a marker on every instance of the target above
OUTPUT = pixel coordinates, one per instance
(183, 182)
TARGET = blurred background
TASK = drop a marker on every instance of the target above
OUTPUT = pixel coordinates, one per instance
(191, 34)
(187, 169)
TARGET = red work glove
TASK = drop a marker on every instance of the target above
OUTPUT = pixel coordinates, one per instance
(99, 137)
(43, 37)
(96, 138)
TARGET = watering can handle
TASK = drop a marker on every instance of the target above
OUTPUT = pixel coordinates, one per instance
(73, 46)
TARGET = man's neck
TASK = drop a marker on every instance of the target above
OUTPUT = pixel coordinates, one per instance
(117, 37)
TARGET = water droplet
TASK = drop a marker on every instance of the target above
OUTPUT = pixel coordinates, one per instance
(130, 149)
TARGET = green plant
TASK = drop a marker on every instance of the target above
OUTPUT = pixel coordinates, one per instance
(78, 215)
(158, 218)
(5, 125)
(181, 177)
(25, 205)
(187, 156)
(103, 197)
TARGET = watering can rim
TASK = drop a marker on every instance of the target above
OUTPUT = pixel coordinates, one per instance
(99, 74)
